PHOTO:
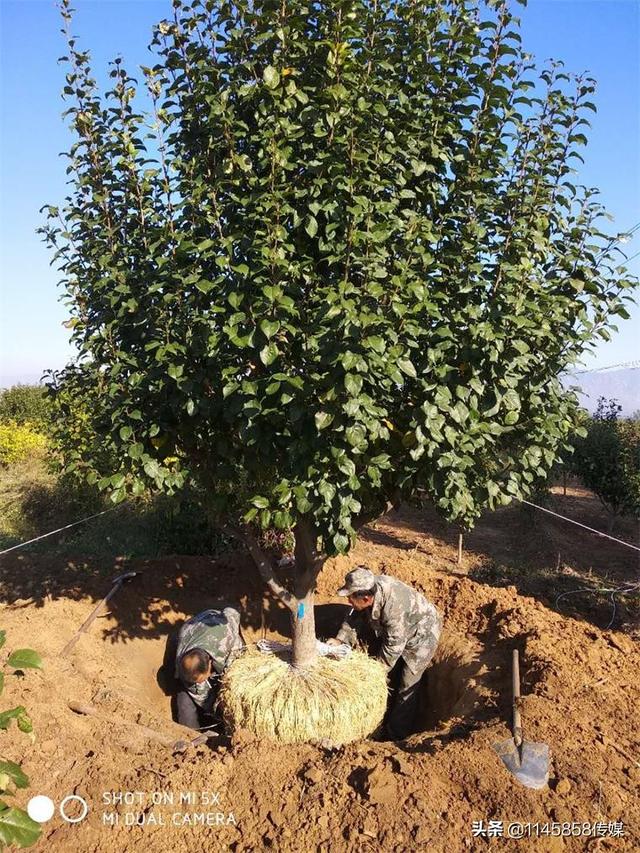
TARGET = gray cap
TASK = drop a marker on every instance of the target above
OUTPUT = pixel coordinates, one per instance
(360, 579)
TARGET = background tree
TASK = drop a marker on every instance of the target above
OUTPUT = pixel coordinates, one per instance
(339, 261)
(607, 460)
(26, 404)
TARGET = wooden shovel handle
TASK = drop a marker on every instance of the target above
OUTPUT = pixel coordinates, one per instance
(515, 681)
(113, 719)
(177, 745)
(90, 619)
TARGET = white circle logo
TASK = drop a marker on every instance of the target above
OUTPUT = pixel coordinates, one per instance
(40, 808)
(69, 799)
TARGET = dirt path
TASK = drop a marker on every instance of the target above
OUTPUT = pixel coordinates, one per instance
(580, 683)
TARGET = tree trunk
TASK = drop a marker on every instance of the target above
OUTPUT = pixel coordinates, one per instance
(308, 563)
(303, 633)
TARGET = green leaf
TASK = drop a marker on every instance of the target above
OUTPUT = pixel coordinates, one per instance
(442, 398)
(15, 773)
(511, 399)
(12, 714)
(460, 412)
(327, 490)
(24, 723)
(281, 520)
(25, 659)
(353, 384)
(260, 502)
(376, 343)
(269, 327)
(323, 419)
(125, 432)
(303, 504)
(271, 77)
(356, 435)
(152, 469)
(16, 827)
(341, 543)
(3, 638)
(512, 418)
(311, 226)
(406, 366)
(268, 354)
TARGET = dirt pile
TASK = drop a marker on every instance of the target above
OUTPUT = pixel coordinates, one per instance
(581, 697)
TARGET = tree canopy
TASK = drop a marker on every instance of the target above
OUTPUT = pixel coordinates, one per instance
(337, 257)
(607, 459)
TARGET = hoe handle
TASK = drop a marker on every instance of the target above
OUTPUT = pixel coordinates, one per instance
(515, 678)
(91, 618)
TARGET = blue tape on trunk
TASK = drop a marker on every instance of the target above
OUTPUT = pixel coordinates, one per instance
(300, 610)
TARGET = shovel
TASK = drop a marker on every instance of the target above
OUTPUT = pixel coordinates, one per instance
(117, 583)
(528, 761)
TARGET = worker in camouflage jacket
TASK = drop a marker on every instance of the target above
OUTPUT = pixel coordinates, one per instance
(408, 629)
(207, 643)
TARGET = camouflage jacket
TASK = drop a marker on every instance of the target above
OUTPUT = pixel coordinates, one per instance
(408, 625)
(218, 633)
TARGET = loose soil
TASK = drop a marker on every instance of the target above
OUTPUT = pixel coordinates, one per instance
(580, 683)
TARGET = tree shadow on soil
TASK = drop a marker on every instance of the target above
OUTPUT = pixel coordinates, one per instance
(542, 557)
(165, 592)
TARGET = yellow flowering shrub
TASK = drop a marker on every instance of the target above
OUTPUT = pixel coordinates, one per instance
(19, 441)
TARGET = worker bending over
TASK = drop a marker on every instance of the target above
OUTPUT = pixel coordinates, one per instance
(207, 644)
(408, 629)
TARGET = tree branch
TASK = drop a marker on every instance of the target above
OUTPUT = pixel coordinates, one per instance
(263, 565)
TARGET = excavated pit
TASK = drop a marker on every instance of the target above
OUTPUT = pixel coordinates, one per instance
(466, 683)
(457, 685)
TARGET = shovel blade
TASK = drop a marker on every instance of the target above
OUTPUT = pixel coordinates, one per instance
(529, 763)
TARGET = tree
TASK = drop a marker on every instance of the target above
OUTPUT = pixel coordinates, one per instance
(346, 265)
(25, 404)
(607, 460)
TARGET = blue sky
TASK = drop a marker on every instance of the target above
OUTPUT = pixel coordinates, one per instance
(601, 36)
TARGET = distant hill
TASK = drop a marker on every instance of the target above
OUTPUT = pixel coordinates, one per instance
(623, 385)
